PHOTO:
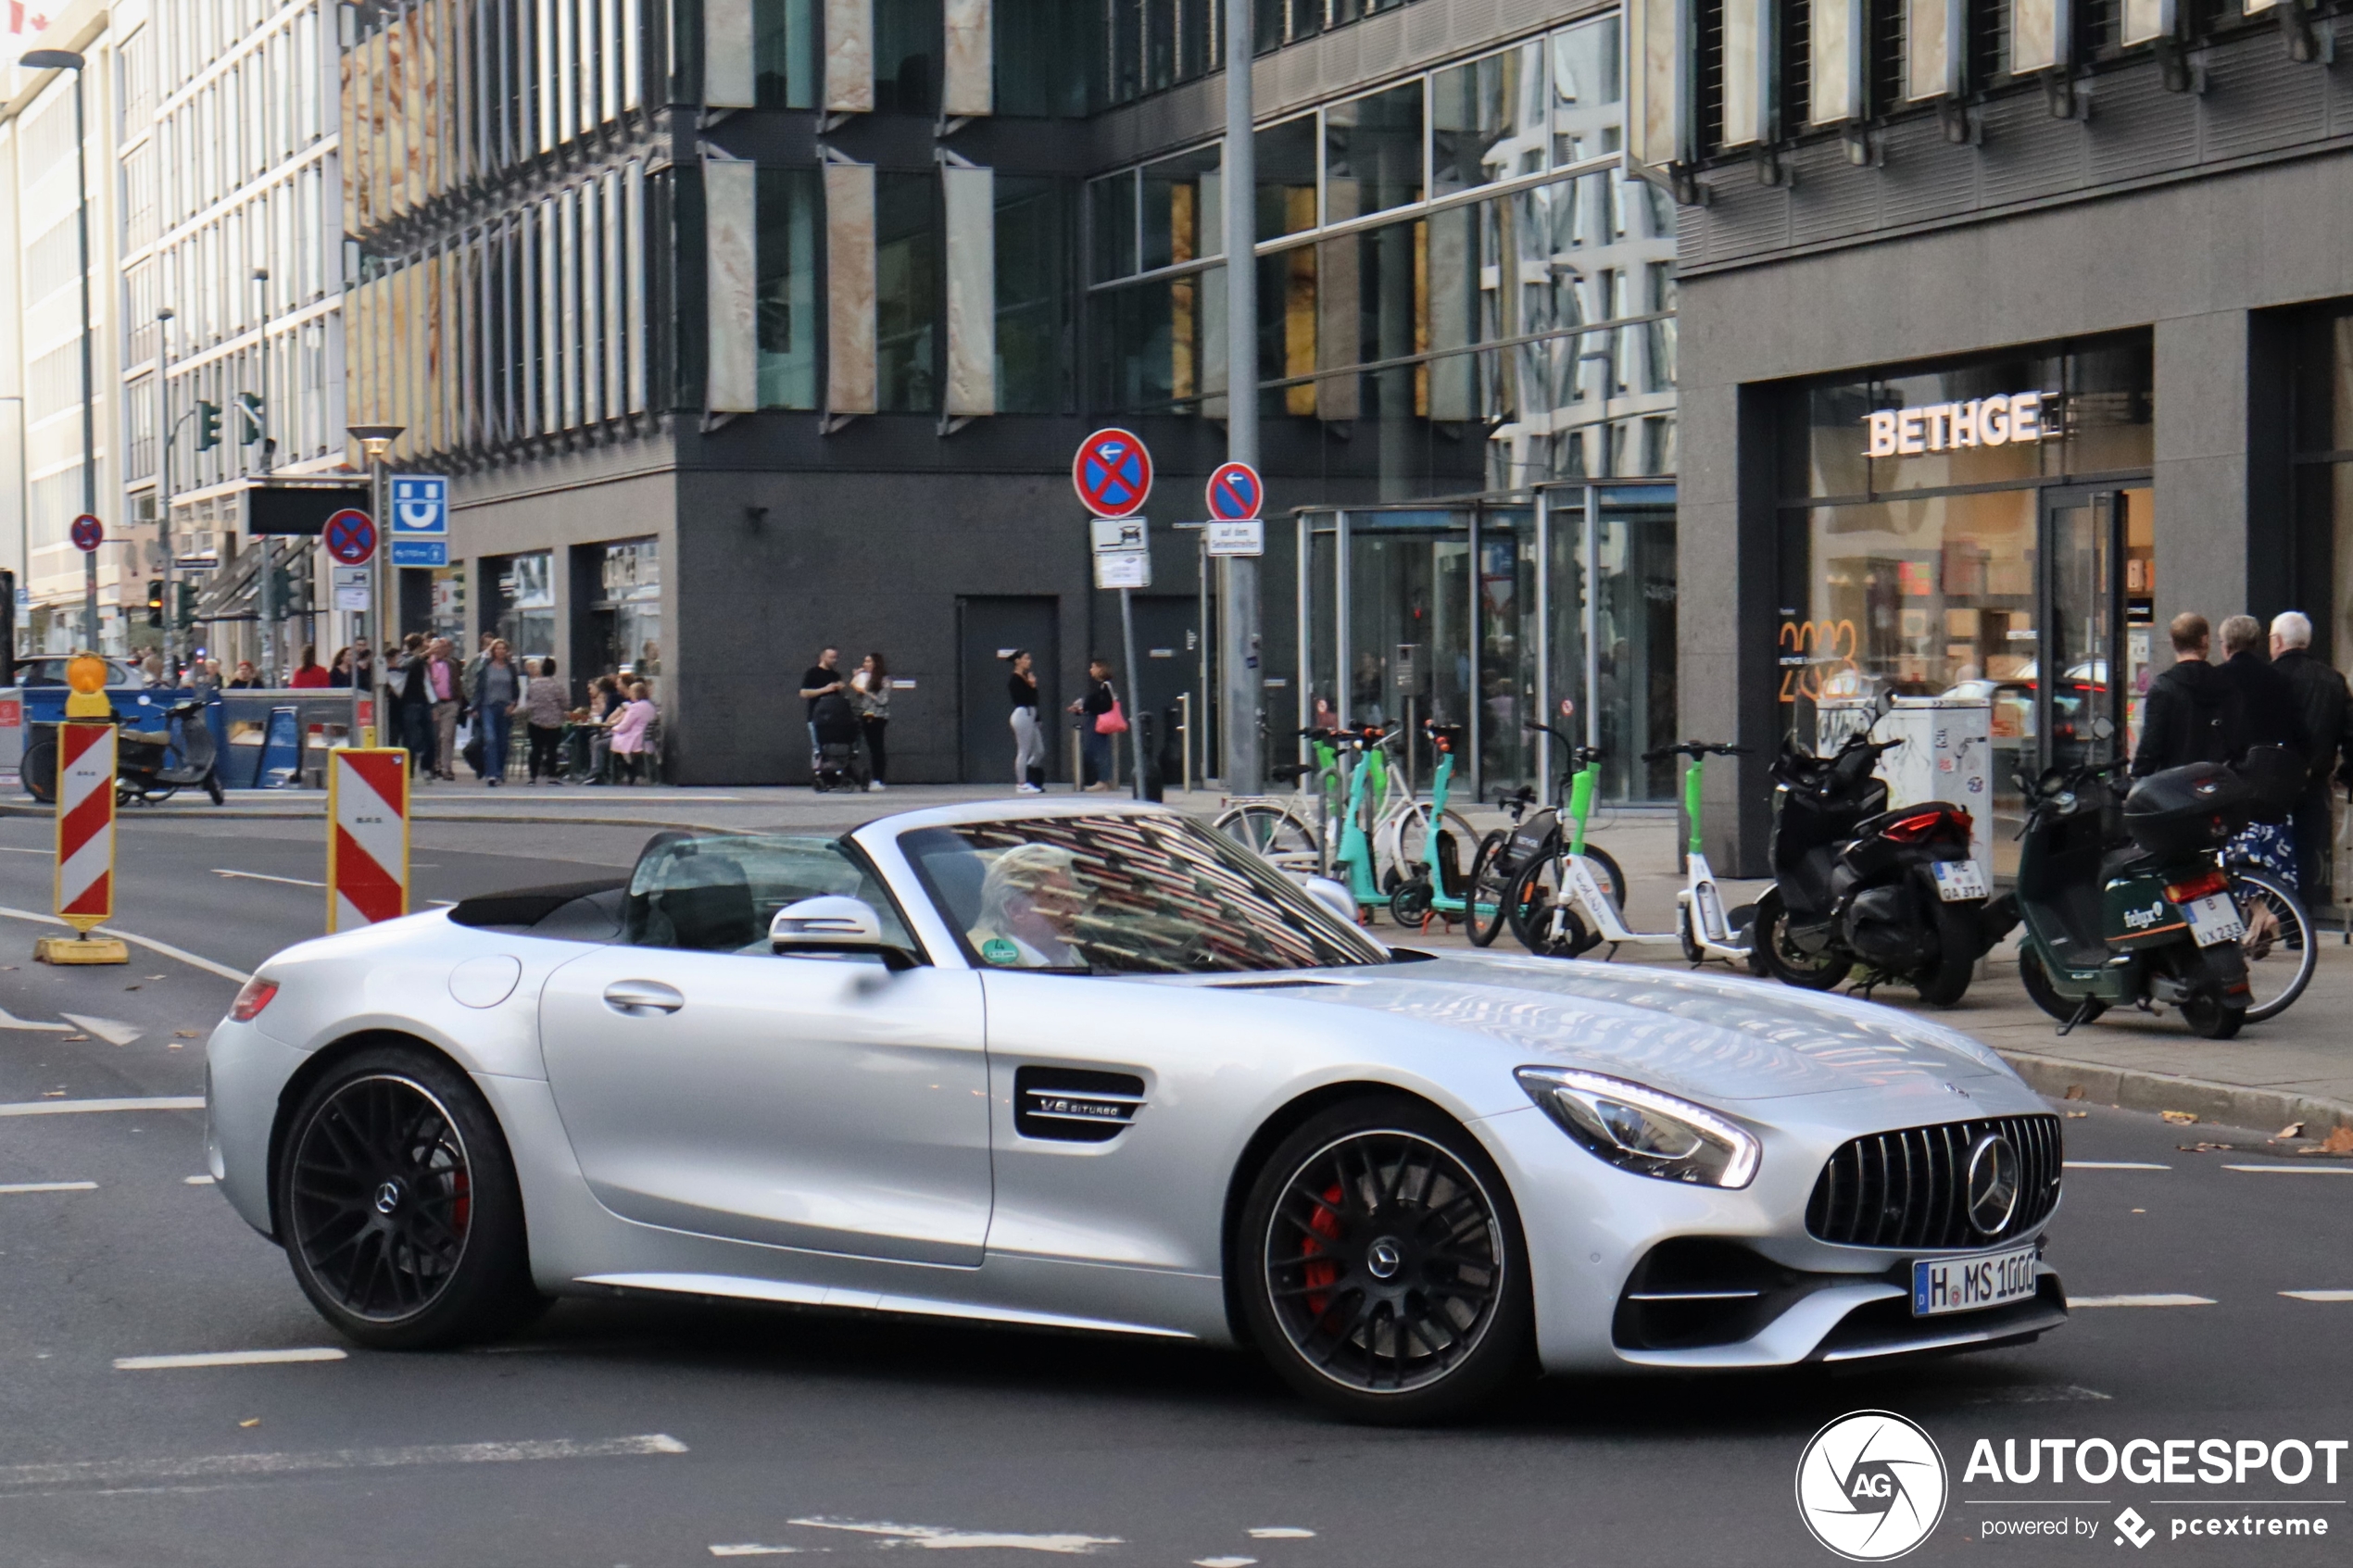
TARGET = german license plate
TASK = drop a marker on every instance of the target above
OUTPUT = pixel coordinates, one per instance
(2214, 920)
(1956, 879)
(1969, 1285)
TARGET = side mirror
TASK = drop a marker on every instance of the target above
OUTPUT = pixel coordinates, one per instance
(1333, 896)
(832, 924)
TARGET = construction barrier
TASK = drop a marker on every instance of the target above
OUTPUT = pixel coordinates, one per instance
(85, 844)
(367, 836)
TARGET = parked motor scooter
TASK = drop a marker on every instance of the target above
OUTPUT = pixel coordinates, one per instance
(1896, 893)
(2143, 917)
(151, 766)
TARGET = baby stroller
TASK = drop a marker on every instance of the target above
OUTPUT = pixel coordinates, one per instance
(836, 729)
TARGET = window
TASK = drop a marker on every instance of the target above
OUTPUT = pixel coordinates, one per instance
(1033, 297)
(907, 291)
(907, 46)
(1039, 50)
(784, 54)
(1286, 158)
(1373, 153)
(1111, 225)
(788, 288)
(1487, 120)
(718, 892)
(1181, 217)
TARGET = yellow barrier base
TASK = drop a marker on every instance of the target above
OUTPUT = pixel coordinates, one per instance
(81, 949)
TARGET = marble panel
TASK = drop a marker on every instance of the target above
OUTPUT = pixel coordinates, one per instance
(727, 76)
(850, 59)
(850, 288)
(732, 231)
(970, 202)
(968, 86)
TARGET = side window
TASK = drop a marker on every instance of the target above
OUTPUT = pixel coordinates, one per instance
(718, 892)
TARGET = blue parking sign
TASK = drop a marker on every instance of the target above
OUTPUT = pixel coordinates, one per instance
(420, 505)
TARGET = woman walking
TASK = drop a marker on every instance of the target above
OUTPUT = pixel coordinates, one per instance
(1029, 746)
(542, 713)
(870, 699)
(495, 693)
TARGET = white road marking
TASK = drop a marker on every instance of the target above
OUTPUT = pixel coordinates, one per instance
(10, 1020)
(227, 1358)
(197, 1181)
(1223, 1562)
(934, 1536)
(2036, 1394)
(12, 849)
(50, 1186)
(750, 1549)
(2294, 1169)
(1281, 1532)
(2140, 1301)
(2319, 1295)
(165, 949)
(60, 1106)
(2112, 1165)
(112, 1031)
(20, 1477)
(262, 876)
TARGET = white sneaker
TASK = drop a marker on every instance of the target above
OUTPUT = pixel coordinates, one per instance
(1028, 789)
(875, 787)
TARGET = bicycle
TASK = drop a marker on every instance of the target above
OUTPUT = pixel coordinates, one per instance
(2280, 945)
(1275, 826)
(1567, 897)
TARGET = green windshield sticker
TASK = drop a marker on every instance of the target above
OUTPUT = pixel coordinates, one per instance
(997, 950)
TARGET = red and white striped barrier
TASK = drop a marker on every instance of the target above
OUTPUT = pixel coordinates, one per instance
(367, 835)
(85, 822)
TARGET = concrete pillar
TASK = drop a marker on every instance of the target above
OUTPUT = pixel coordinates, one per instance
(2202, 468)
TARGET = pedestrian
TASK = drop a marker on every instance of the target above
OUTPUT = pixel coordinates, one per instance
(151, 669)
(870, 697)
(2270, 716)
(1099, 719)
(309, 674)
(448, 690)
(543, 713)
(631, 724)
(363, 668)
(821, 679)
(406, 679)
(1029, 743)
(2193, 713)
(497, 689)
(2326, 704)
(604, 698)
(339, 670)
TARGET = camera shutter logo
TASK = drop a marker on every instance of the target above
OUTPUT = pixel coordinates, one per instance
(1871, 1486)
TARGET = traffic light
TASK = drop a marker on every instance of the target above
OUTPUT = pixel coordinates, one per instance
(282, 590)
(155, 601)
(249, 404)
(187, 607)
(207, 425)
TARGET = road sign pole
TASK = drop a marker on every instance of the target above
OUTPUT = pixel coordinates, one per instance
(1134, 714)
(1237, 628)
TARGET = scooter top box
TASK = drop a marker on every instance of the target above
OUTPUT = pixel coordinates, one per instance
(2196, 807)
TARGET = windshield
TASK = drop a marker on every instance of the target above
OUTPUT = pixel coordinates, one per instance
(1123, 895)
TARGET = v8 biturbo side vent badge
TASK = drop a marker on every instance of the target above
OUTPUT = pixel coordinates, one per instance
(1075, 1105)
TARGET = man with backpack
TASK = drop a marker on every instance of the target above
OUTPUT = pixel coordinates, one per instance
(2194, 709)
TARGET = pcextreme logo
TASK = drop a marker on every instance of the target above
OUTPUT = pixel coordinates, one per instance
(1870, 1485)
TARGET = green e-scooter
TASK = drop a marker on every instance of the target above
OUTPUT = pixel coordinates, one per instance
(1701, 921)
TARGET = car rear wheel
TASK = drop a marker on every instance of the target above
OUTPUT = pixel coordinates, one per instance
(398, 1206)
(1383, 1272)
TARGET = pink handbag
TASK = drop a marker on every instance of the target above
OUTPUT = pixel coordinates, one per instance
(1112, 723)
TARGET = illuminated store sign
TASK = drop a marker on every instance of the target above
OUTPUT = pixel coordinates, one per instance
(2003, 419)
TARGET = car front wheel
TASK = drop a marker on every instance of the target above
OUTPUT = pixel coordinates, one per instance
(398, 1206)
(1383, 1272)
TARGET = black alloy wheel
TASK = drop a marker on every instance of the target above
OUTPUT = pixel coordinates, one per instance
(1382, 1270)
(1784, 959)
(398, 1206)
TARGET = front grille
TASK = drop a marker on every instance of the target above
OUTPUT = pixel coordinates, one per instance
(1908, 1189)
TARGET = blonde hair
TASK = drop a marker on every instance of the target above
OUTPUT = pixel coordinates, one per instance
(1021, 870)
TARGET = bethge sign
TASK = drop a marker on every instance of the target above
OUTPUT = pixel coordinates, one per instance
(2003, 419)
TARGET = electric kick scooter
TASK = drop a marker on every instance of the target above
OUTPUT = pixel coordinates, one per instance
(1701, 922)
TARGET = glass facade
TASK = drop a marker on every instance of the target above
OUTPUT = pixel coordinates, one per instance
(2323, 425)
(789, 219)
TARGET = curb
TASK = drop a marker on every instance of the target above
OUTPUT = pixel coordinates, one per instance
(2232, 1105)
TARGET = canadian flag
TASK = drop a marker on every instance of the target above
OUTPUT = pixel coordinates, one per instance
(24, 21)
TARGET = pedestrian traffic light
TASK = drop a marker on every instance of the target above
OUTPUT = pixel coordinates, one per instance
(207, 425)
(249, 404)
(155, 601)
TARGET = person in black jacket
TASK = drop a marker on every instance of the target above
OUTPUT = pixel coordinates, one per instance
(2326, 704)
(2268, 711)
(2192, 714)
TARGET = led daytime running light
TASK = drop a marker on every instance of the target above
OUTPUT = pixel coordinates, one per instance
(1639, 1129)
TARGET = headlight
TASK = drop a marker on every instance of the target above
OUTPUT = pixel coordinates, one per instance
(1643, 1131)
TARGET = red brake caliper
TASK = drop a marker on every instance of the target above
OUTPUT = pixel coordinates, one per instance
(1322, 1277)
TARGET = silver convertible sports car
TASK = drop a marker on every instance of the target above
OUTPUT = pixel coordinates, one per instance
(1091, 1066)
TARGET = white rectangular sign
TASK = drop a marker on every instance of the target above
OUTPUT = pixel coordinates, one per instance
(1119, 535)
(1128, 569)
(351, 587)
(1248, 538)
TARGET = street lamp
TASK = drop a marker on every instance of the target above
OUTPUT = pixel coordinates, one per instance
(1243, 683)
(376, 441)
(66, 59)
(163, 494)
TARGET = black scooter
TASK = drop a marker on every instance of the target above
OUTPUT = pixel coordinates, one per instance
(151, 766)
(1896, 893)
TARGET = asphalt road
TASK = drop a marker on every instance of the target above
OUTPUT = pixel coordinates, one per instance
(660, 1435)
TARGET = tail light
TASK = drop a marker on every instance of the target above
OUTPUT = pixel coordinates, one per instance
(1912, 829)
(255, 996)
(2197, 888)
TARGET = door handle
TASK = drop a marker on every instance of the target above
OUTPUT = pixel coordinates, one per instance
(637, 998)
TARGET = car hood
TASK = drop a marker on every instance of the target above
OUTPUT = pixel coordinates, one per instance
(1715, 1037)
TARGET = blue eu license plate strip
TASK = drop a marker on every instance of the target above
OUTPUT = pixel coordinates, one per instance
(1969, 1285)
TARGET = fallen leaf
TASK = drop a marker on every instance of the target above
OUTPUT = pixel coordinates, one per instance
(131, 987)
(175, 1046)
(2205, 1147)
(188, 1033)
(152, 977)
(2140, 1210)
(255, 1421)
(2077, 1115)
(53, 1094)
(2293, 1130)
(2179, 1118)
(2339, 1141)
(77, 1036)
(2075, 1091)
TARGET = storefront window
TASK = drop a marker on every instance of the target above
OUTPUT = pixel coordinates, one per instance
(627, 616)
(522, 602)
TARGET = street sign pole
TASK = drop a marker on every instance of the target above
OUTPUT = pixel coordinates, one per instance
(1238, 626)
(1134, 714)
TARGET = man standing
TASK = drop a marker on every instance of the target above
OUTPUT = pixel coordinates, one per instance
(2322, 699)
(2193, 710)
(447, 693)
(821, 679)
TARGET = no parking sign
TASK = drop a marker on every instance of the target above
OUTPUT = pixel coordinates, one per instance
(1113, 473)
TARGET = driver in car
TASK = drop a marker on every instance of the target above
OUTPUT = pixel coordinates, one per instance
(1029, 906)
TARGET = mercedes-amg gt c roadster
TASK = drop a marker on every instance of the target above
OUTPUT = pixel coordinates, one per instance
(1091, 1066)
